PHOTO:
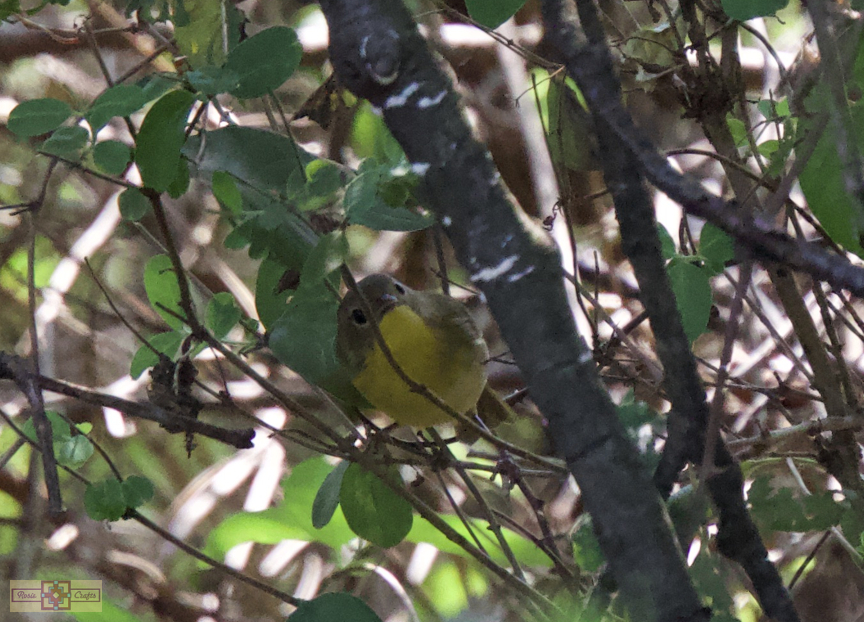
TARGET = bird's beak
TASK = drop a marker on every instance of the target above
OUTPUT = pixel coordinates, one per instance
(386, 302)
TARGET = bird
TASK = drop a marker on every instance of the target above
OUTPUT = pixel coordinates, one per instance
(431, 336)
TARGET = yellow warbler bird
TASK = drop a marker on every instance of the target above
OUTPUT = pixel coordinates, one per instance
(431, 336)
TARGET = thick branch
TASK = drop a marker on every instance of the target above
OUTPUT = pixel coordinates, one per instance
(625, 156)
(378, 54)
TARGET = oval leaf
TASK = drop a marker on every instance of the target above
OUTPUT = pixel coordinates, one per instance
(493, 13)
(38, 116)
(137, 490)
(336, 606)
(373, 511)
(222, 314)
(74, 451)
(118, 101)
(163, 290)
(327, 498)
(304, 337)
(104, 501)
(66, 142)
(264, 61)
(823, 184)
(693, 295)
(157, 147)
(145, 358)
(112, 156)
(742, 10)
(133, 204)
(716, 247)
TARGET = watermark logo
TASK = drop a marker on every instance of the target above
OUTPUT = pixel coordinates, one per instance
(71, 596)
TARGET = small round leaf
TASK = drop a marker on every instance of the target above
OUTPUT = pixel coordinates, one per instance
(133, 204)
(372, 509)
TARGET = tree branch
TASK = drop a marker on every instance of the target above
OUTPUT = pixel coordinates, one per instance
(379, 55)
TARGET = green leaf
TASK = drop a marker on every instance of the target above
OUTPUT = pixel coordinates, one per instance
(372, 510)
(327, 498)
(66, 142)
(711, 576)
(270, 303)
(37, 116)
(324, 177)
(163, 290)
(112, 156)
(586, 548)
(773, 110)
(569, 127)
(167, 343)
(822, 182)
(327, 256)
(716, 248)
(667, 243)
(133, 204)
(304, 336)
(212, 81)
(525, 550)
(226, 192)
(105, 501)
(158, 144)
(742, 10)
(372, 139)
(493, 13)
(317, 188)
(110, 613)
(180, 184)
(118, 101)
(365, 202)
(9, 8)
(635, 414)
(60, 430)
(157, 85)
(257, 158)
(262, 163)
(73, 451)
(205, 30)
(335, 606)
(781, 510)
(289, 520)
(693, 295)
(264, 61)
(222, 314)
(137, 491)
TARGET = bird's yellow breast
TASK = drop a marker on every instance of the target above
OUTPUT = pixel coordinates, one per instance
(444, 361)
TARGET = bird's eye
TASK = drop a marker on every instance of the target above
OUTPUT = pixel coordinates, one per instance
(358, 316)
(399, 287)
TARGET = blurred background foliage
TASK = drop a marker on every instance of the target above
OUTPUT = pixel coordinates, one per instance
(134, 136)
